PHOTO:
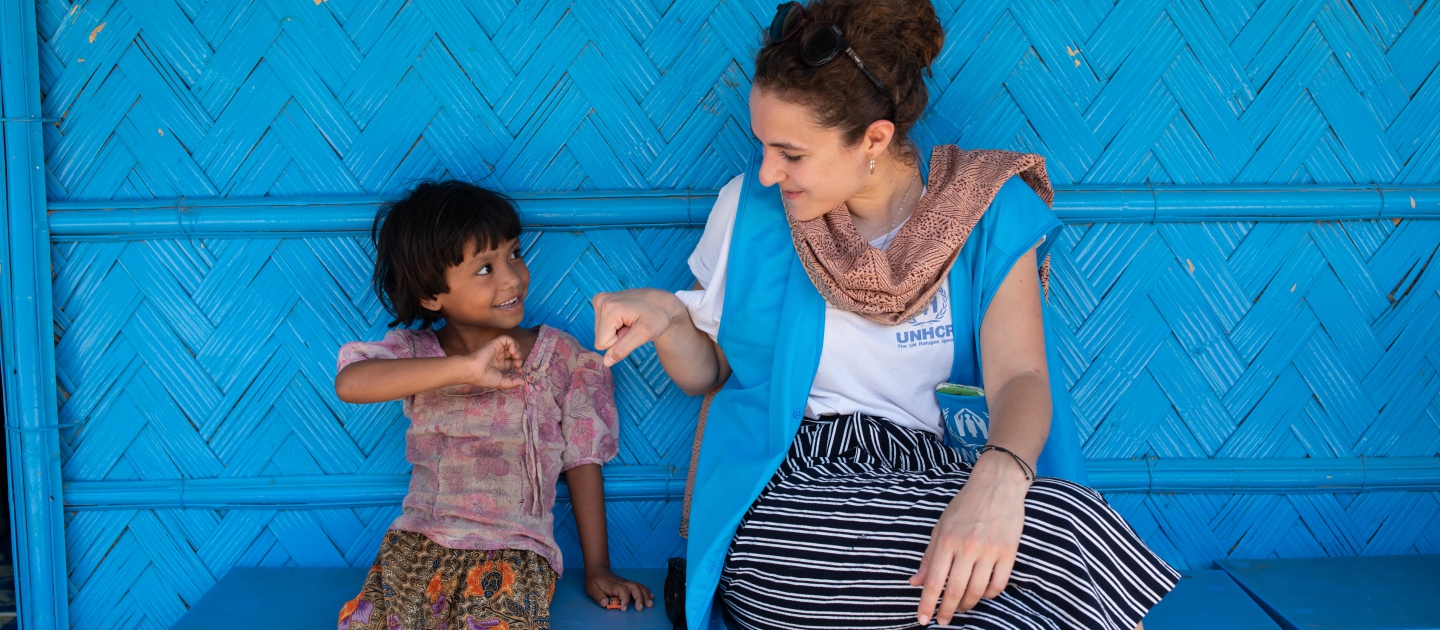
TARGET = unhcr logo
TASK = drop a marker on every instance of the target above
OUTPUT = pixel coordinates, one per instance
(937, 311)
(930, 326)
(966, 425)
(925, 336)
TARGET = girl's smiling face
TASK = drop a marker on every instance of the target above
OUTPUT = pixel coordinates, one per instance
(486, 289)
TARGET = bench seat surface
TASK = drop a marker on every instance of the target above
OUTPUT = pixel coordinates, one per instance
(1377, 593)
(250, 597)
(1205, 600)
(310, 599)
(1359, 593)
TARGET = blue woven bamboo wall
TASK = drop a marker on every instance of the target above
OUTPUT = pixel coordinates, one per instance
(213, 358)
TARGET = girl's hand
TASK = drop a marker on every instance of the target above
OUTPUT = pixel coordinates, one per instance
(601, 585)
(973, 546)
(626, 320)
(494, 364)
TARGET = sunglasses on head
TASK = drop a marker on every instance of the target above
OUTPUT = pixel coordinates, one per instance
(820, 42)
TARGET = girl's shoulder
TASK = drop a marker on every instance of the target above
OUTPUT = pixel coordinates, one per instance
(399, 343)
(415, 343)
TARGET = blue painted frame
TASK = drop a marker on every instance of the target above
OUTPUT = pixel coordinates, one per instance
(28, 353)
(33, 457)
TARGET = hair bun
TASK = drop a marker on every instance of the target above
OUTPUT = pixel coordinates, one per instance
(920, 31)
(910, 27)
(896, 39)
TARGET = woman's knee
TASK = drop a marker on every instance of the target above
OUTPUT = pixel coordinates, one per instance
(1057, 487)
(1058, 496)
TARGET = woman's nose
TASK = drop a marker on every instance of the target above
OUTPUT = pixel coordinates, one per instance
(770, 172)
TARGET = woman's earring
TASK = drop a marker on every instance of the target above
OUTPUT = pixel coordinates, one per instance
(872, 167)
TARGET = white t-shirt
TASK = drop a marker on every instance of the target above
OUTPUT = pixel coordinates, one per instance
(885, 371)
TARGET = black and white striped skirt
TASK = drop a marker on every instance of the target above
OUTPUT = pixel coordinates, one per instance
(836, 535)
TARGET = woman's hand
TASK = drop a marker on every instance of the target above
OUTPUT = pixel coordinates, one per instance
(494, 364)
(601, 584)
(973, 546)
(626, 320)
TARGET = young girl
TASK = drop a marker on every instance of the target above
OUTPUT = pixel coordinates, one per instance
(496, 413)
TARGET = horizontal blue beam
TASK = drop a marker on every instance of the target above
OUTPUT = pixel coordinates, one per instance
(301, 216)
(661, 483)
(1265, 476)
(629, 483)
(1190, 204)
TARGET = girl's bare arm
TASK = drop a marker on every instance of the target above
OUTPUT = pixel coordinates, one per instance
(587, 498)
(379, 380)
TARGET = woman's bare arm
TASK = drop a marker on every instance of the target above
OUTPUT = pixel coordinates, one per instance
(1012, 358)
(974, 543)
(626, 320)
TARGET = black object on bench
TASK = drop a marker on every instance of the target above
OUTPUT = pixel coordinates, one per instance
(310, 599)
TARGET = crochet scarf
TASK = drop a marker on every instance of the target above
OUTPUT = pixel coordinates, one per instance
(892, 286)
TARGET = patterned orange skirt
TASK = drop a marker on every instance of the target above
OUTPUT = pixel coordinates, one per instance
(416, 584)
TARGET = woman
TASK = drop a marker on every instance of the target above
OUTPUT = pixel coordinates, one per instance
(824, 497)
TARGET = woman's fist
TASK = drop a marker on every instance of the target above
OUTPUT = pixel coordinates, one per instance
(626, 320)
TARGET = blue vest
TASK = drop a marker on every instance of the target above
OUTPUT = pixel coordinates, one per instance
(771, 331)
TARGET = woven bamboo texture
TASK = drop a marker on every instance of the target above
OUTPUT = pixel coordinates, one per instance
(214, 358)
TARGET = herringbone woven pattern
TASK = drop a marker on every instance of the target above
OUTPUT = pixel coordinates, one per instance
(1256, 341)
(214, 358)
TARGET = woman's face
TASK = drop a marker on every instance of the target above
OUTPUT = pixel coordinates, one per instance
(815, 168)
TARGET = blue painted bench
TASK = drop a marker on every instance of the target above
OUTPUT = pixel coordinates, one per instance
(311, 599)
(1359, 593)
(1207, 599)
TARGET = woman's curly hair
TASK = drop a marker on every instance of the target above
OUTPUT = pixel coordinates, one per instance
(897, 40)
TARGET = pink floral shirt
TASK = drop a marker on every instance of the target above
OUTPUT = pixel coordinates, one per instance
(486, 461)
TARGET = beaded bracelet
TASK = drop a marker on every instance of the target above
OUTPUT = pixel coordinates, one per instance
(1025, 468)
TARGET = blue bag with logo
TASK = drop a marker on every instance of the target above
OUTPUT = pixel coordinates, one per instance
(965, 417)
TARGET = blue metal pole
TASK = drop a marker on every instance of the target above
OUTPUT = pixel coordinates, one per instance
(27, 335)
(269, 217)
(661, 483)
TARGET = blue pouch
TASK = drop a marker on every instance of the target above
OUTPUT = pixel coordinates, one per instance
(965, 417)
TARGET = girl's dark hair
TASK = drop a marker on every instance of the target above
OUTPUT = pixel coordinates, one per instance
(897, 40)
(430, 228)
